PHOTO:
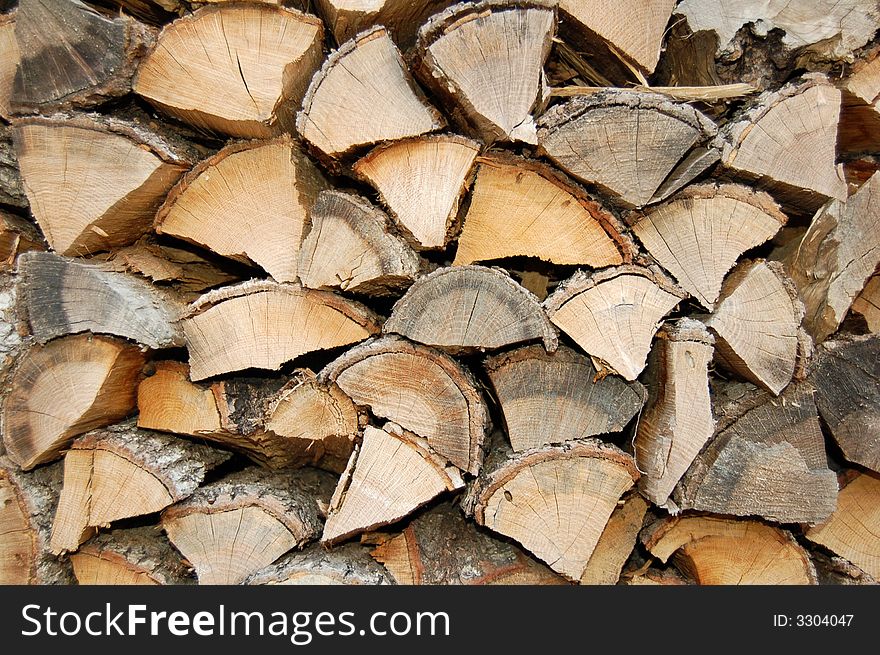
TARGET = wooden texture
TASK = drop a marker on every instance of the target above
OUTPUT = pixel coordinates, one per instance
(348, 564)
(345, 18)
(17, 236)
(9, 57)
(867, 303)
(616, 543)
(550, 398)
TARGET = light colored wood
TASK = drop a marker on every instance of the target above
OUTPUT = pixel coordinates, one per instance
(616, 543)
(420, 389)
(558, 397)
(250, 202)
(421, 180)
(9, 57)
(555, 501)
(718, 551)
(523, 208)
(169, 402)
(16, 237)
(788, 139)
(65, 388)
(625, 142)
(852, 530)
(349, 564)
(678, 420)
(402, 18)
(836, 257)
(263, 325)
(860, 113)
(867, 303)
(363, 95)
(487, 309)
(391, 474)
(238, 69)
(93, 184)
(61, 296)
(236, 526)
(485, 60)
(700, 233)
(350, 247)
(613, 314)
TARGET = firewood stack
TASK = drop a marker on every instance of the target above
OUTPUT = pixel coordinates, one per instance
(501, 292)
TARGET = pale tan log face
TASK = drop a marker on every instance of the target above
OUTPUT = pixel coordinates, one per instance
(16, 543)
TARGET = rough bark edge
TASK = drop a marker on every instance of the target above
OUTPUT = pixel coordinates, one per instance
(141, 550)
(351, 562)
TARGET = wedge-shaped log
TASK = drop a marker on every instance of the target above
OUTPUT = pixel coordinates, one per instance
(616, 543)
(700, 233)
(485, 60)
(469, 556)
(64, 389)
(9, 58)
(363, 95)
(236, 526)
(717, 551)
(836, 257)
(271, 324)
(421, 389)
(421, 180)
(523, 208)
(61, 296)
(625, 142)
(678, 421)
(94, 183)
(390, 475)
(239, 69)
(73, 56)
(613, 314)
(129, 556)
(852, 530)
(122, 472)
(555, 500)
(350, 247)
(788, 140)
(486, 309)
(401, 17)
(868, 304)
(860, 113)
(27, 504)
(558, 397)
(846, 377)
(16, 237)
(767, 459)
(250, 202)
(348, 564)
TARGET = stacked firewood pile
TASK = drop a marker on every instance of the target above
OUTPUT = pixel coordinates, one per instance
(421, 293)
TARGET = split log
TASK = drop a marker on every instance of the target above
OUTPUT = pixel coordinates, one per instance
(236, 526)
(860, 114)
(17, 235)
(237, 69)
(767, 459)
(524, 208)
(300, 423)
(616, 543)
(9, 58)
(716, 551)
(351, 248)
(829, 30)
(440, 547)
(250, 202)
(846, 376)
(836, 570)
(93, 182)
(611, 31)
(390, 474)
(787, 141)
(836, 256)
(613, 314)
(27, 503)
(486, 307)
(678, 420)
(867, 303)
(756, 324)
(349, 564)
(73, 56)
(852, 530)
(657, 577)
(65, 388)
(60, 296)
(122, 472)
(485, 60)
(421, 180)
(401, 17)
(131, 556)
(555, 501)
(700, 233)
(558, 397)
(629, 144)
(422, 390)
(363, 95)
(272, 324)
